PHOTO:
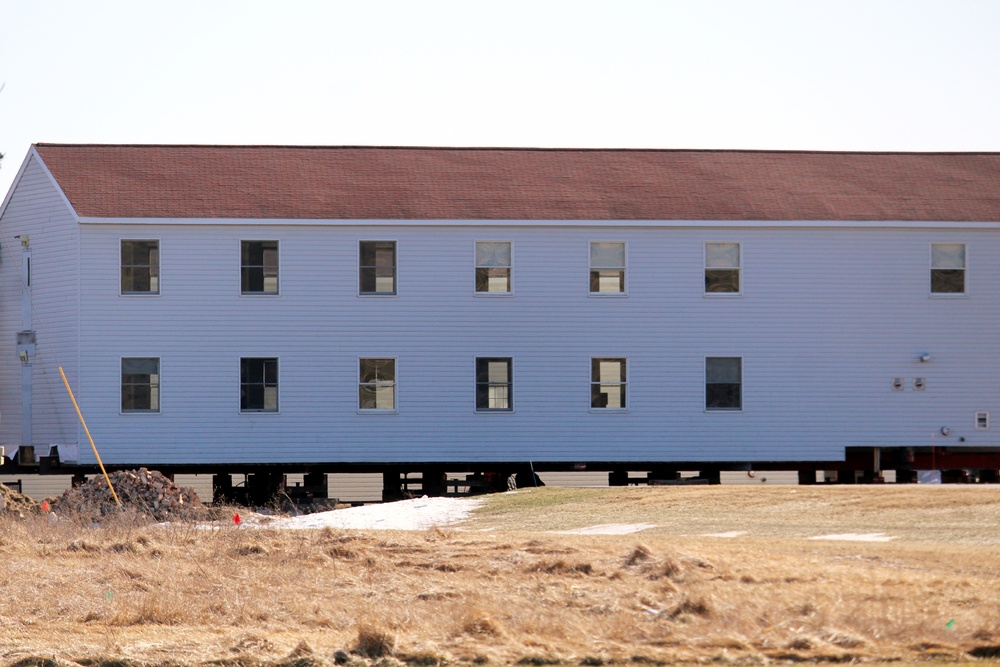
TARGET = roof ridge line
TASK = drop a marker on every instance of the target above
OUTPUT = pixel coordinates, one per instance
(545, 149)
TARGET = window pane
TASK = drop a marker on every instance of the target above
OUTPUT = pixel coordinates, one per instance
(498, 397)
(385, 280)
(270, 371)
(948, 255)
(493, 280)
(722, 280)
(607, 281)
(722, 255)
(497, 371)
(140, 366)
(607, 370)
(378, 370)
(492, 253)
(270, 398)
(607, 255)
(613, 395)
(948, 281)
(252, 397)
(251, 371)
(385, 397)
(723, 369)
(723, 397)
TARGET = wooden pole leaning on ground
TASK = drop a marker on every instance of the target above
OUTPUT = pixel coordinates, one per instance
(87, 431)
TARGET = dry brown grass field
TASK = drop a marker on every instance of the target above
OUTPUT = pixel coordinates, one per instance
(505, 588)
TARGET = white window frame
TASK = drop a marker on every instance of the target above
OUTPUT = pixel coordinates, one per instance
(510, 385)
(121, 266)
(704, 384)
(395, 269)
(982, 417)
(965, 271)
(624, 385)
(591, 268)
(264, 294)
(476, 267)
(738, 269)
(277, 393)
(395, 387)
(159, 386)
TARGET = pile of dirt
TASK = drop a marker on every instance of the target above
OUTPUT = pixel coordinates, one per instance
(12, 502)
(144, 492)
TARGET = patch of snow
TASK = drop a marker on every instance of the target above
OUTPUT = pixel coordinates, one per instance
(414, 514)
(609, 529)
(856, 537)
(732, 533)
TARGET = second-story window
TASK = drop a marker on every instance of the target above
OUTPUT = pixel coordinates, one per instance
(493, 267)
(377, 267)
(259, 267)
(607, 267)
(140, 266)
(722, 268)
(947, 268)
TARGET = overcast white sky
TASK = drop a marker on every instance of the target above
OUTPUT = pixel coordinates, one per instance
(768, 74)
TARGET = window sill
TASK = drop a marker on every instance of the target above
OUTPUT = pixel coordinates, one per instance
(724, 411)
(377, 411)
(722, 295)
(609, 411)
(494, 412)
(125, 413)
(138, 294)
(492, 295)
(260, 294)
(607, 295)
(382, 295)
(260, 412)
(948, 295)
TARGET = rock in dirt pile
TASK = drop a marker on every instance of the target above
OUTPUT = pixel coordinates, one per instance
(15, 503)
(144, 492)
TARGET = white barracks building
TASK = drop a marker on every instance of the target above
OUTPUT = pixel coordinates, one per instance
(419, 311)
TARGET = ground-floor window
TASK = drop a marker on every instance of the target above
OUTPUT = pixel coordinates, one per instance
(723, 383)
(377, 384)
(494, 384)
(259, 384)
(140, 384)
(607, 383)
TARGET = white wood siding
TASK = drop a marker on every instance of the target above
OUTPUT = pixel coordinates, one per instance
(827, 317)
(37, 210)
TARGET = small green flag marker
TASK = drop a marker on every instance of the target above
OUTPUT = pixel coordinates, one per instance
(951, 624)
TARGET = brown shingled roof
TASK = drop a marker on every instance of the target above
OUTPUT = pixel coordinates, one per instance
(285, 182)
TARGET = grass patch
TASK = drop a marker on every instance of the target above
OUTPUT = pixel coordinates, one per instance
(236, 597)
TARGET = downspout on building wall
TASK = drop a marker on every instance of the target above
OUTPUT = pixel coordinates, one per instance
(26, 344)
